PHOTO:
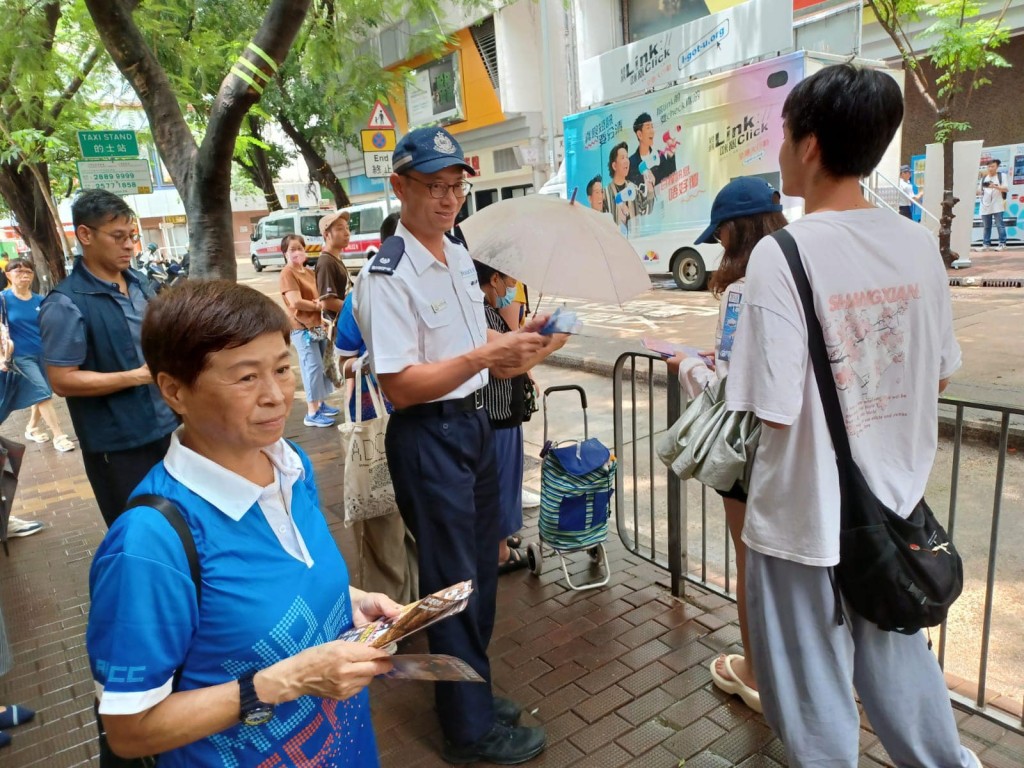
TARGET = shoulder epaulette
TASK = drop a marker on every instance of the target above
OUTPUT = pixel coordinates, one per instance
(457, 237)
(391, 252)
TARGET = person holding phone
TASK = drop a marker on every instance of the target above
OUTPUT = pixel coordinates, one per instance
(992, 189)
(744, 211)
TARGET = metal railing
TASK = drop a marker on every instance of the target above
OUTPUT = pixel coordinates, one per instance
(652, 513)
(883, 192)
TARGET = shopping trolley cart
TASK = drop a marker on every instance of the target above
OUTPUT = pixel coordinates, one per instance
(576, 484)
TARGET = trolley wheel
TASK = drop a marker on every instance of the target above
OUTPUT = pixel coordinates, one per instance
(596, 555)
(535, 559)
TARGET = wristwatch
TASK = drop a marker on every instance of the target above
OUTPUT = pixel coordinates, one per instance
(253, 711)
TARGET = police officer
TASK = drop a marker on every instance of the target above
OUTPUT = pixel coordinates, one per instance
(421, 312)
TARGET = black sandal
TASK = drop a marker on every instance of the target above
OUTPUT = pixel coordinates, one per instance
(516, 561)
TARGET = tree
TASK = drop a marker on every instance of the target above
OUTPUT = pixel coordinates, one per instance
(962, 51)
(47, 52)
(200, 169)
(260, 161)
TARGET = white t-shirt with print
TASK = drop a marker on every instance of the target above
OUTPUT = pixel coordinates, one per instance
(991, 198)
(881, 292)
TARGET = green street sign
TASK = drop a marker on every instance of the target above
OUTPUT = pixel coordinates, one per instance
(103, 145)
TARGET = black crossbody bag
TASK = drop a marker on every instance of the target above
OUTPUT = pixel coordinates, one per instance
(901, 574)
(167, 508)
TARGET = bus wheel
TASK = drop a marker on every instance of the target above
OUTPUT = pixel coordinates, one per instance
(688, 270)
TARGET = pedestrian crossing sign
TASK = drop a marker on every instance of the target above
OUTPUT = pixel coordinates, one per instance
(379, 117)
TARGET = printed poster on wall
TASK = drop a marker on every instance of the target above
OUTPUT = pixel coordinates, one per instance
(655, 163)
(724, 39)
(434, 96)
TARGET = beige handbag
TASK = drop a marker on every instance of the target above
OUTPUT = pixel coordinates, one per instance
(368, 489)
(711, 444)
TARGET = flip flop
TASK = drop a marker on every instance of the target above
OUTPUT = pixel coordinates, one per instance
(14, 715)
(514, 541)
(732, 684)
(36, 435)
(516, 561)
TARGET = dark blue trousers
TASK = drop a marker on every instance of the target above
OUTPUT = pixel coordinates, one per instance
(446, 483)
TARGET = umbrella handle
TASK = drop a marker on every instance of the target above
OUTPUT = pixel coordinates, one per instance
(572, 199)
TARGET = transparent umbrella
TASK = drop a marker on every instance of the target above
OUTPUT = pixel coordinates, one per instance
(558, 248)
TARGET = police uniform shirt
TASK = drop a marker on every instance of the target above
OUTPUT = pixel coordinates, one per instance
(425, 312)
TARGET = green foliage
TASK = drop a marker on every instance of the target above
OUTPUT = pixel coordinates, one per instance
(960, 46)
(43, 46)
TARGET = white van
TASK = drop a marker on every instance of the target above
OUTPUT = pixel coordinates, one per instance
(265, 248)
(364, 224)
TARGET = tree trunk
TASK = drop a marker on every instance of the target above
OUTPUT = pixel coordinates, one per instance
(201, 174)
(35, 221)
(319, 169)
(258, 170)
(948, 202)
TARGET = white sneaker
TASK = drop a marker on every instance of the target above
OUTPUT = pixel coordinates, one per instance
(530, 499)
(983, 248)
(16, 527)
(1001, 247)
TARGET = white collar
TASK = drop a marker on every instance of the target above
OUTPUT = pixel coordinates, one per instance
(231, 493)
(420, 258)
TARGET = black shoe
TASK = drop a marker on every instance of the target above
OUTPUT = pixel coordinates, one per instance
(506, 711)
(502, 746)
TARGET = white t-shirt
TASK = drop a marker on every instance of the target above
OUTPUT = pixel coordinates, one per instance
(991, 198)
(907, 189)
(881, 292)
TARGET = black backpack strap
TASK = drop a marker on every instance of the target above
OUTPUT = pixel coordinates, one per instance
(173, 515)
(818, 351)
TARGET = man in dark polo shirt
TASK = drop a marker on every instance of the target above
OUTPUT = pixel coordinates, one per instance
(332, 278)
(91, 326)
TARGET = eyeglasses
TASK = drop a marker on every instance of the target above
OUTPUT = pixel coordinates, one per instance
(116, 237)
(439, 190)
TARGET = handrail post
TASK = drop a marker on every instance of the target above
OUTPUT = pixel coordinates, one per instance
(676, 504)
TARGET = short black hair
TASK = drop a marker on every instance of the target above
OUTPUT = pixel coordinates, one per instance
(93, 207)
(187, 323)
(614, 152)
(853, 113)
(642, 118)
(484, 272)
(19, 263)
(389, 225)
(996, 161)
(592, 182)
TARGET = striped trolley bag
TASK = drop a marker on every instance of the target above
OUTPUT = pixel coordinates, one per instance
(577, 483)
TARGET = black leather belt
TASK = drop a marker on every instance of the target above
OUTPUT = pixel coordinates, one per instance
(471, 402)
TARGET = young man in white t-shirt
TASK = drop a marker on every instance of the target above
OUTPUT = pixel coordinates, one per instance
(991, 189)
(881, 294)
(907, 195)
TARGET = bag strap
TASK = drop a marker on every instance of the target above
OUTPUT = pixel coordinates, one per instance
(173, 515)
(818, 352)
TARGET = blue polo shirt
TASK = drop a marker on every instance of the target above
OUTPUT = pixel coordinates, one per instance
(273, 585)
(348, 338)
(23, 320)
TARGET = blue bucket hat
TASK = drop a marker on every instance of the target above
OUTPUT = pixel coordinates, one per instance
(745, 196)
(428, 150)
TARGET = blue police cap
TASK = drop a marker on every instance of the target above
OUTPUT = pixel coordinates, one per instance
(745, 196)
(428, 150)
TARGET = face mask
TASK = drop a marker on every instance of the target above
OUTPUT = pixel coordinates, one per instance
(508, 298)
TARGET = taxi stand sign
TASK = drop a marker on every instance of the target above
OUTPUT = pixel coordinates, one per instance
(102, 145)
(125, 177)
(378, 145)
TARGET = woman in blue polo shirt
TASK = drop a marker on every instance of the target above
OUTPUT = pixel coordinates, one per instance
(249, 672)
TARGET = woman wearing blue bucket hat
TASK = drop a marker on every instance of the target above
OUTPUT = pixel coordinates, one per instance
(744, 211)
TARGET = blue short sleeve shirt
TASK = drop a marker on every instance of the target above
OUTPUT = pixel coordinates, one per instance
(260, 604)
(23, 320)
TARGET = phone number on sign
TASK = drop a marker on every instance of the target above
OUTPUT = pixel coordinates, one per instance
(113, 176)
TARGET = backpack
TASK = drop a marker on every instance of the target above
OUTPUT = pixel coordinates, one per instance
(903, 574)
(167, 508)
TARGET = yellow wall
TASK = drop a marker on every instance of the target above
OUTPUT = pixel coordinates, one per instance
(480, 101)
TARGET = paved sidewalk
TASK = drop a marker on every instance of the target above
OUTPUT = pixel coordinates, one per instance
(617, 675)
(992, 269)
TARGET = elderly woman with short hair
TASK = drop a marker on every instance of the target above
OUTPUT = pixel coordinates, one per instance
(247, 671)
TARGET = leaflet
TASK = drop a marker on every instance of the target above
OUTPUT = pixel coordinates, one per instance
(413, 618)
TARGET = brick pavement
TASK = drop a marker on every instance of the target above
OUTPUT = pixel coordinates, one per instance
(618, 675)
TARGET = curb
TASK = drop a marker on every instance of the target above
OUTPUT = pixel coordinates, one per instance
(983, 431)
(986, 282)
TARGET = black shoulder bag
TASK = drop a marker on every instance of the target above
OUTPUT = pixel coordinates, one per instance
(901, 574)
(167, 508)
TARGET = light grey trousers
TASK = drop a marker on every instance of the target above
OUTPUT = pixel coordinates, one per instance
(808, 666)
